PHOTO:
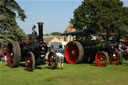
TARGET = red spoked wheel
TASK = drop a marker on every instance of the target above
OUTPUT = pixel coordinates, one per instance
(13, 54)
(116, 58)
(9, 57)
(101, 58)
(30, 61)
(52, 60)
(74, 52)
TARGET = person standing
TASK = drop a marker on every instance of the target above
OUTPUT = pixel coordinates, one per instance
(60, 58)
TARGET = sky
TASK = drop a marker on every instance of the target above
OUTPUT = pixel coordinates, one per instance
(55, 14)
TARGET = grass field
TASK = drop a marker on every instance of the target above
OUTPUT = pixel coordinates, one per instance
(72, 74)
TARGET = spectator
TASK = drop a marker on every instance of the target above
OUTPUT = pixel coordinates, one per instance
(60, 59)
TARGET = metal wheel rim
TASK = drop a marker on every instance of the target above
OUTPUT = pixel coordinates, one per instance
(28, 63)
(114, 60)
(9, 57)
(71, 53)
(101, 59)
(51, 62)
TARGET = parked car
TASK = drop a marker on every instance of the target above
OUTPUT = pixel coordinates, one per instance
(55, 46)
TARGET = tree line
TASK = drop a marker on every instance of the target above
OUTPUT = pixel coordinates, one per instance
(100, 15)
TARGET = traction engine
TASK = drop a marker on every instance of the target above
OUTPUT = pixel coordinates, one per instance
(85, 48)
(32, 51)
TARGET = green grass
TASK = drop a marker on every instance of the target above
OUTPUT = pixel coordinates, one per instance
(72, 74)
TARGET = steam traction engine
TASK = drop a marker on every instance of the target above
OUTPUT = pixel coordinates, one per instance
(33, 52)
(86, 49)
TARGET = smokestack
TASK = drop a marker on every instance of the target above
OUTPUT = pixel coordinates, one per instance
(40, 28)
(108, 31)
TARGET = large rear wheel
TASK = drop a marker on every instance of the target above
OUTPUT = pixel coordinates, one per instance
(74, 52)
(13, 53)
(101, 58)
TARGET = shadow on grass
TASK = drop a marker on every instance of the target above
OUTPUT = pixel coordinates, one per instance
(34, 68)
(93, 64)
(22, 64)
(39, 68)
(46, 68)
(125, 64)
(50, 68)
(6, 64)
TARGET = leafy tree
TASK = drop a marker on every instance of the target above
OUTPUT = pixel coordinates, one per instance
(9, 10)
(101, 14)
(34, 33)
(55, 33)
(47, 34)
(34, 30)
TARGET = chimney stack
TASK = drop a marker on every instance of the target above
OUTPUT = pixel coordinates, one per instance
(40, 28)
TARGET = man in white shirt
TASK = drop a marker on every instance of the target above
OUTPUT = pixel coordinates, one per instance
(60, 58)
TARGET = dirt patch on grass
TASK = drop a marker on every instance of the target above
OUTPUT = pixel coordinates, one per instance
(61, 77)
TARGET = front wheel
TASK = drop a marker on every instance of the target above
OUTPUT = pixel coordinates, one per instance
(116, 58)
(101, 58)
(30, 61)
(52, 60)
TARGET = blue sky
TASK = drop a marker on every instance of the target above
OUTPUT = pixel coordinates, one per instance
(55, 14)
